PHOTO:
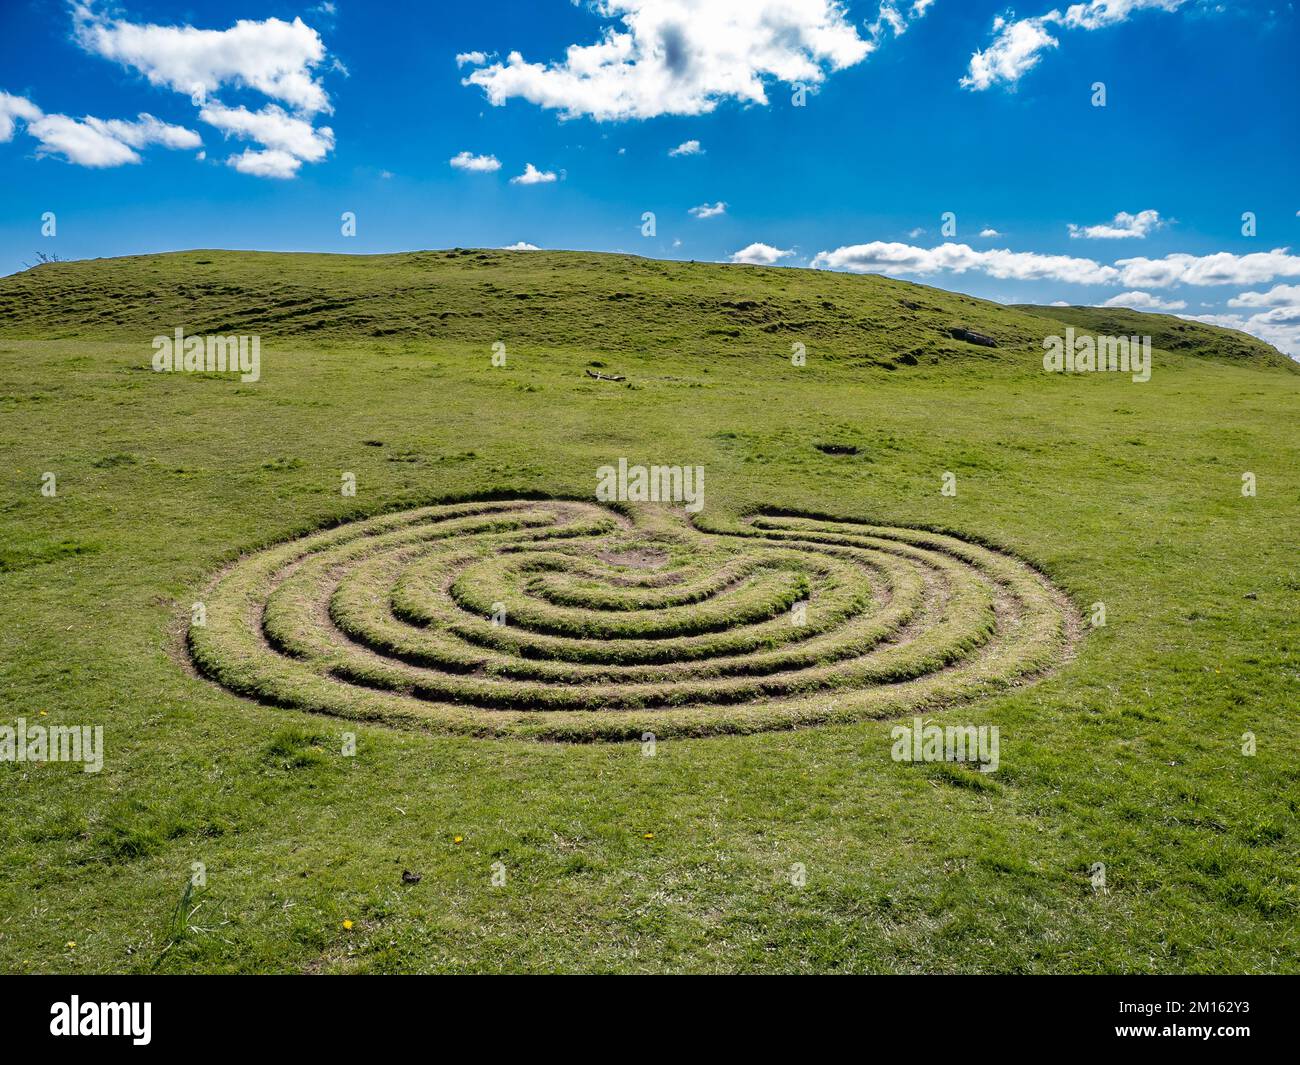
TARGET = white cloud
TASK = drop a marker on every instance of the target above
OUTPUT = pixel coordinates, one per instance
(1283, 331)
(1121, 226)
(686, 148)
(1221, 268)
(892, 20)
(15, 107)
(474, 59)
(758, 254)
(79, 142)
(1288, 316)
(882, 257)
(990, 232)
(90, 141)
(533, 176)
(1278, 324)
(1143, 301)
(682, 57)
(1018, 44)
(709, 210)
(146, 130)
(276, 58)
(271, 163)
(281, 60)
(1016, 49)
(481, 164)
(522, 245)
(274, 128)
(1277, 296)
(96, 142)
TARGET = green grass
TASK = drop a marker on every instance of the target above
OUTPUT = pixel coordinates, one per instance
(1128, 754)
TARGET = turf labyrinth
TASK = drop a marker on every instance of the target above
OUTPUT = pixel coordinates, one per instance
(569, 620)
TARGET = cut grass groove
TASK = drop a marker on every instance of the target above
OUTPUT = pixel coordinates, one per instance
(619, 621)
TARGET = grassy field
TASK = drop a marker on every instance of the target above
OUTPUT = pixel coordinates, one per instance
(1125, 750)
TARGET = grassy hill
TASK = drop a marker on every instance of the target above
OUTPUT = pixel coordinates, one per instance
(610, 304)
(786, 838)
(1167, 333)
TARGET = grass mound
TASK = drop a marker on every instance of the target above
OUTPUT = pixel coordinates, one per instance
(568, 620)
(614, 305)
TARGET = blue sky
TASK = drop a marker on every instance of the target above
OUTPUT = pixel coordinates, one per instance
(263, 122)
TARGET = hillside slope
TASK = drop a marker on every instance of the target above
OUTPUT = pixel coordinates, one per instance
(1167, 332)
(602, 302)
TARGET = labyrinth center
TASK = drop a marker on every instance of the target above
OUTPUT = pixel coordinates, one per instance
(573, 620)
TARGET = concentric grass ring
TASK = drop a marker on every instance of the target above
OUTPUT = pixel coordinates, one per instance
(574, 621)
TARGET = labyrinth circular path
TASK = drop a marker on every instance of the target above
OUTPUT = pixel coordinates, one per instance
(572, 620)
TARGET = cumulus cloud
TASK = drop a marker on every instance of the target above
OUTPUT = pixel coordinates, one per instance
(1282, 331)
(272, 127)
(280, 60)
(146, 130)
(894, 16)
(1279, 316)
(533, 176)
(15, 107)
(474, 59)
(1277, 296)
(708, 210)
(80, 142)
(89, 141)
(1016, 49)
(1143, 301)
(883, 257)
(1121, 226)
(989, 232)
(522, 245)
(1220, 268)
(680, 57)
(686, 148)
(270, 163)
(758, 254)
(480, 164)
(1276, 318)
(276, 58)
(1019, 44)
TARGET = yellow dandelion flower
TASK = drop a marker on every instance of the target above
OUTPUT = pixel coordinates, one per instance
(458, 839)
(347, 925)
(648, 835)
